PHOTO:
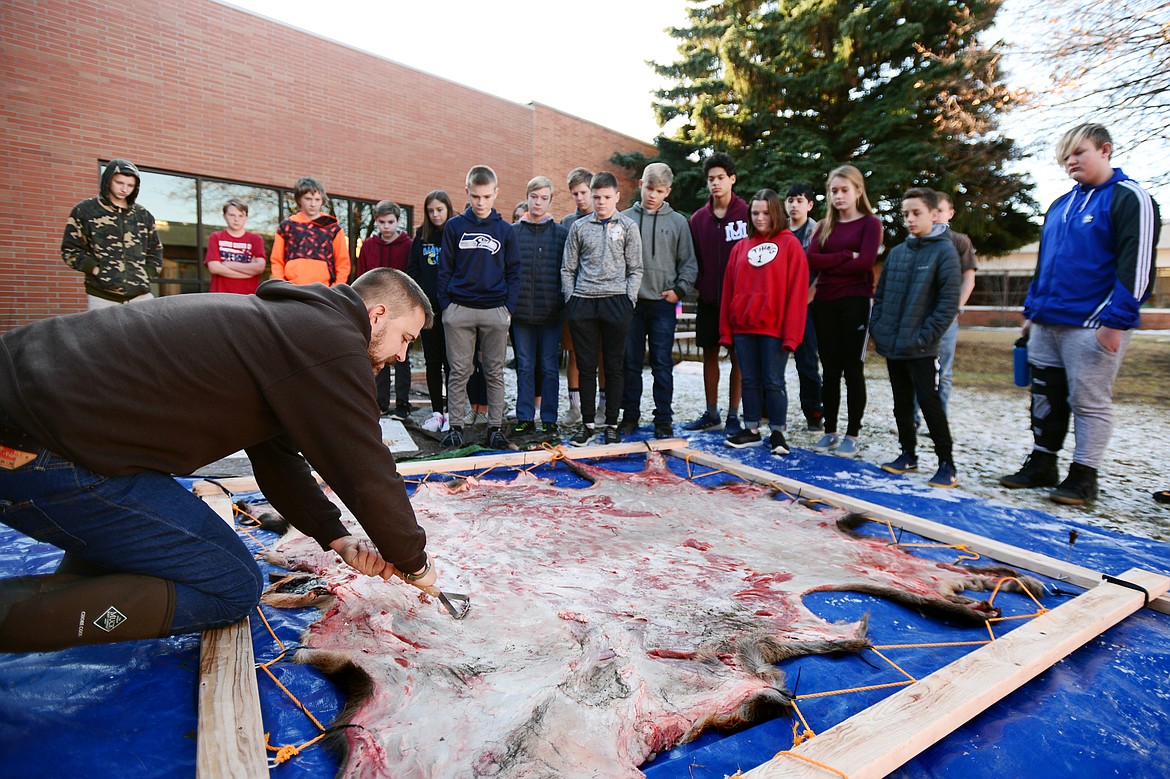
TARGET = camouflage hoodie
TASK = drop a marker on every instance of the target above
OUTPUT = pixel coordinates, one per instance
(121, 243)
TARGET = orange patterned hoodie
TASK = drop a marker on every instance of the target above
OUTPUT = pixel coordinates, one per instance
(310, 250)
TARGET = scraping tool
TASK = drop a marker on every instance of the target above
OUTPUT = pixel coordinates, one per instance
(456, 605)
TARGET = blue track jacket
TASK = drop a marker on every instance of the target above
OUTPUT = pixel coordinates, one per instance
(1096, 263)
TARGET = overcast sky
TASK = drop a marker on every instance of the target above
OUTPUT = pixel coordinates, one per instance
(587, 59)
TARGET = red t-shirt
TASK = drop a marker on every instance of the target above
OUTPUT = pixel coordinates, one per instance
(223, 247)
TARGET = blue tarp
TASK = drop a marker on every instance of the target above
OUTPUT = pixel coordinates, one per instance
(128, 710)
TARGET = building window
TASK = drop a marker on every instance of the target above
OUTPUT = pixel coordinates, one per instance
(188, 208)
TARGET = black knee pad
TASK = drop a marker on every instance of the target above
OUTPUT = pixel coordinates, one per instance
(1050, 407)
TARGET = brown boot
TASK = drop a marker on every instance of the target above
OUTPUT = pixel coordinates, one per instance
(46, 613)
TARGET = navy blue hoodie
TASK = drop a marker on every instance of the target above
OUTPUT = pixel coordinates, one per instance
(479, 265)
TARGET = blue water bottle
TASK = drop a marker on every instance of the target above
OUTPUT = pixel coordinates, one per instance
(1021, 371)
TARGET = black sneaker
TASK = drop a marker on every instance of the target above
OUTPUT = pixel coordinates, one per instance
(453, 439)
(1039, 470)
(945, 477)
(401, 412)
(905, 463)
(612, 436)
(495, 439)
(583, 436)
(705, 421)
(628, 426)
(744, 438)
(548, 428)
(1078, 488)
(777, 443)
(524, 428)
(663, 430)
(816, 422)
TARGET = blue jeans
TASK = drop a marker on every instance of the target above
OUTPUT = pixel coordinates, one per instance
(537, 345)
(144, 524)
(654, 320)
(946, 362)
(809, 370)
(761, 368)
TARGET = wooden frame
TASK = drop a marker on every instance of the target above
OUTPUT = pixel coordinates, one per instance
(230, 741)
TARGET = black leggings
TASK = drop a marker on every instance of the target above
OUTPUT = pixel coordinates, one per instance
(434, 344)
(842, 328)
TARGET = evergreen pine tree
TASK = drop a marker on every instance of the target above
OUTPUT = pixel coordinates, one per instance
(904, 90)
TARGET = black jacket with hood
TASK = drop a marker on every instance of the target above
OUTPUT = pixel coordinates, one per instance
(120, 243)
(92, 388)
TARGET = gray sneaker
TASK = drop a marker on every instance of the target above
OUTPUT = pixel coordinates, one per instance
(828, 441)
(849, 447)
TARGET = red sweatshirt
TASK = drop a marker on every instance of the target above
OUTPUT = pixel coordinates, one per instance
(841, 275)
(765, 290)
(376, 253)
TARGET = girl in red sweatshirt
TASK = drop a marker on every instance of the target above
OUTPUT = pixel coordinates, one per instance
(762, 313)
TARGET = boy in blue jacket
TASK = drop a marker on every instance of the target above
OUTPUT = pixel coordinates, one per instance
(1095, 269)
(479, 283)
(916, 300)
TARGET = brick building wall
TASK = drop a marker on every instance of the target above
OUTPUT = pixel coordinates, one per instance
(192, 86)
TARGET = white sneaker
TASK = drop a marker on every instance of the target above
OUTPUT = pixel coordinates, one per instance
(572, 417)
(438, 423)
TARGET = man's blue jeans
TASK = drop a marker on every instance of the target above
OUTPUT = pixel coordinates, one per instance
(145, 524)
(653, 321)
(537, 345)
(761, 367)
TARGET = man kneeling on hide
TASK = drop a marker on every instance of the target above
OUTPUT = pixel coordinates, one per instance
(97, 410)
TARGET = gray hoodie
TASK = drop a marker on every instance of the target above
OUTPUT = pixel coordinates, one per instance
(602, 259)
(668, 254)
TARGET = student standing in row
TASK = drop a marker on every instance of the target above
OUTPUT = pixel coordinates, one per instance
(843, 251)
(669, 270)
(235, 257)
(1095, 269)
(600, 277)
(537, 320)
(423, 267)
(765, 303)
(715, 229)
(310, 245)
(917, 298)
(113, 241)
(479, 275)
(968, 266)
(389, 247)
(579, 180)
(799, 203)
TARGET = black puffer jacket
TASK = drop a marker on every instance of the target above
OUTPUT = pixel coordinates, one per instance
(917, 297)
(542, 246)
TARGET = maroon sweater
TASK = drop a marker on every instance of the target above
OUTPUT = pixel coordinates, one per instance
(841, 275)
(376, 253)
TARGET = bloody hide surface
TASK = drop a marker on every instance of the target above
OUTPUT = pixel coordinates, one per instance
(608, 623)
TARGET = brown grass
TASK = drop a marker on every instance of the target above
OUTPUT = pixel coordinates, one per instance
(983, 358)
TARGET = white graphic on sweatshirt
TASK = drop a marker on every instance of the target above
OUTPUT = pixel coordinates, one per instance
(735, 231)
(479, 241)
(762, 254)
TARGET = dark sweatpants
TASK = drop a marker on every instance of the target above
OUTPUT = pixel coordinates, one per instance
(604, 323)
(919, 378)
